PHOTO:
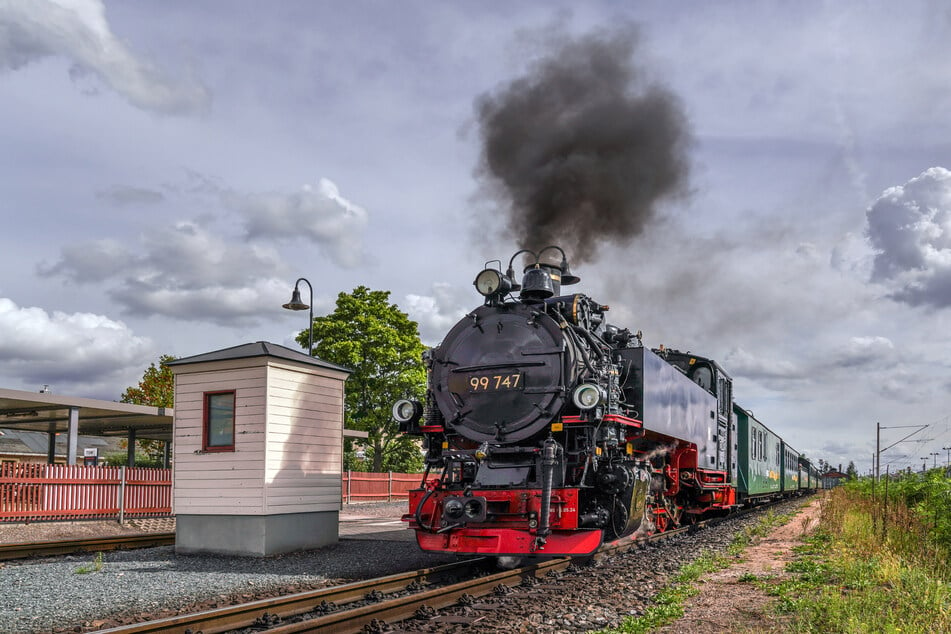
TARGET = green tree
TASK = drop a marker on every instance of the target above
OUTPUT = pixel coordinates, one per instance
(851, 472)
(381, 345)
(157, 388)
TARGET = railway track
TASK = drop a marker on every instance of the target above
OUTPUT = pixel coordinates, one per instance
(387, 600)
(351, 607)
(315, 601)
(97, 544)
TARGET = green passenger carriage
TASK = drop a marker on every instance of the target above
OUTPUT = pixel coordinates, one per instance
(790, 469)
(760, 466)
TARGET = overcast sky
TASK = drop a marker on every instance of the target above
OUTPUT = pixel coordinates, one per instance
(169, 169)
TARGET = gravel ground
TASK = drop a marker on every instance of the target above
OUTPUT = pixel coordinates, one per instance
(592, 597)
(52, 595)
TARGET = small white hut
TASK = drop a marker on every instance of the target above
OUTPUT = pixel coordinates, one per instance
(258, 447)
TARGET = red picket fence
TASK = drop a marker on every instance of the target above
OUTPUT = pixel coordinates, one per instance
(35, 492)
(31, 492)
(360, 486)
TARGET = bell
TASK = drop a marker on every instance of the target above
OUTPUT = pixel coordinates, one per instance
(567, 279)
(537, 284)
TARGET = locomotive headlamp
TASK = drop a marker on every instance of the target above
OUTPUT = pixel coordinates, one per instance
(453, 509)
(407, 411)
(474, 509)
(587, 396)
(490, 282)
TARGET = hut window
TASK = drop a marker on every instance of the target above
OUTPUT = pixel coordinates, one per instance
(218, 428)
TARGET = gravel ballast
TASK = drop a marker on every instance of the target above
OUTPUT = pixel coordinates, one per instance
(54, 594)
(51, 595)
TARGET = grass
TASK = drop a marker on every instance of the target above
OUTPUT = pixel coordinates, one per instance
(853, 575)
(668, 604)
(847, 578)
(94, 566)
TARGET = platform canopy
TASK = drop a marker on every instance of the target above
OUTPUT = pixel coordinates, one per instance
(37, 411)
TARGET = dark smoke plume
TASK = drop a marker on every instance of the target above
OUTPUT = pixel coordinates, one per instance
(582, 148)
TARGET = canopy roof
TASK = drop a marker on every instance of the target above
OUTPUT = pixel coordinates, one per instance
(35, 411)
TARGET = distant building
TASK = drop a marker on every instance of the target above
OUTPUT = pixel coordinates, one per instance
(832, 479)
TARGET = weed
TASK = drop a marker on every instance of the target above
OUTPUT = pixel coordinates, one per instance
(94, 566)
(847, 579)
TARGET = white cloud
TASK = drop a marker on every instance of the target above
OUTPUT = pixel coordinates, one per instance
(187, 272)
(438, 312)
(910, 228)
(80, 350)
(319, 214)
(852, 254)
(223, 305)
(92, 262)
(872, 353)
(78, 31)
(742, 363)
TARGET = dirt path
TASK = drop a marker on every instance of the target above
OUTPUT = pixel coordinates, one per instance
(725, 604)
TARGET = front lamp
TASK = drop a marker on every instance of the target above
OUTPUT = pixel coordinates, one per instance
(490, 282)
(587, 396)
(453, 509)
(460, 510)
(407, 411)
(474, 509)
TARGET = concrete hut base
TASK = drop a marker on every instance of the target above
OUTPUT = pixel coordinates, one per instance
(255, 535)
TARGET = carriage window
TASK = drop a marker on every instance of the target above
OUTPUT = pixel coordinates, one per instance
(725, 396)
(218, 427)
(703, 377)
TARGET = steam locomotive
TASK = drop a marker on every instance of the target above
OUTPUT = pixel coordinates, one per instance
(553, 430)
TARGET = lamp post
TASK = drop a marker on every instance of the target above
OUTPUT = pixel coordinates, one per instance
(935, 455)
(297, 304)
(924, 464)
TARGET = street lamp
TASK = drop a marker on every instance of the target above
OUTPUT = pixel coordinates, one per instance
(948, 461)
(935, 454)
(297, 304)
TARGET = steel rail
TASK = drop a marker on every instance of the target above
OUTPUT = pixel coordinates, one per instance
(401, 608)
(244, 615)
(95, 544)
(353, 620)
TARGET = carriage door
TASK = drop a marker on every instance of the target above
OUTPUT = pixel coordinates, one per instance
(726, 460)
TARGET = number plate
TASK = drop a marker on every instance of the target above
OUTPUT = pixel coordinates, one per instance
(475, 383)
